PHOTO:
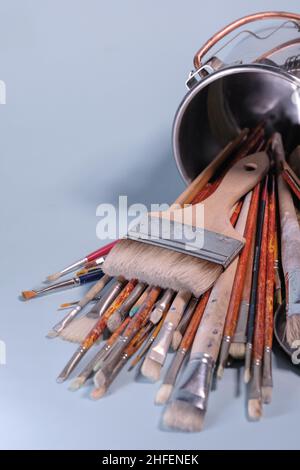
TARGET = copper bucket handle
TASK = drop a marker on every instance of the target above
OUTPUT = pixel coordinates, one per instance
(198, 58)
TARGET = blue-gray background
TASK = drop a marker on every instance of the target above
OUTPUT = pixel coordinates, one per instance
(92, 88)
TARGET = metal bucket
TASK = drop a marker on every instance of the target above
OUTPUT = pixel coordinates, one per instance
(226, 95)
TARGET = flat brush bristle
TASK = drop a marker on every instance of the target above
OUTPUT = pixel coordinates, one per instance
(183, 416)
(78, 329)
(53, 277)
(176, 340)
(52, 334)
(237, 350)
(98, 393)
(163, 394)
(255, 409)
(28, 294)
(151, 369)
(266, 393)
(220, 372)
(76, 384)
(162, 267)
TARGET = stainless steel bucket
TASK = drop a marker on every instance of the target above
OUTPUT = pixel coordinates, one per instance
(226, 95)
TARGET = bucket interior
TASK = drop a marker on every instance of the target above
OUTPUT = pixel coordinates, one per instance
(219, 107)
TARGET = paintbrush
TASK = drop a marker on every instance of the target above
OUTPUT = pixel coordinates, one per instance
(119, 315)
(59, 327)
(254, 395)
(236, 295)
(290, 248)
(267, 380)
(183, 324)
(95, 255)
(278, 286)
(73, 282)
(175, 261)
(156, 356)
(88, 371)
(95, 332)
(167, 386)
(139, 320)
(291, 179)
(237, 348)
(187, 411)
(73, 303)
(91, 265)
(77, 330)
(161, 306)
(255, 281)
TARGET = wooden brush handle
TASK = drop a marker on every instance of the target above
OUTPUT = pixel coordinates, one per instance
(269, 310)
(177, 307)
(94, 290)
(189, 335)
(239, 180)
(240, 275)
(202, 179)
(111, 340)
(209, 334)
(137, 321)
(259, 324)
(100, 326)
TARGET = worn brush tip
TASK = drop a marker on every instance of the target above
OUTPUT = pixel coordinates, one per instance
(76, 384)
(237, 350)
(247, 375)
(220, 372)
(60, 379)
(98, 393)
(183, 416)
(151, 369)
(52, 334)
(176, 340)
(156, 315)
(28, 294)
(266, 393)
(99, 379)
(53, 277)
(114, 322)
(254, 409)
(163, 394)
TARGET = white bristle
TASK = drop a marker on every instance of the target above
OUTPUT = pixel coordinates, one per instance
(237, 350)
(220, 372)
(183, 416)
(53, 277)
(76, 384)
(98, 393)
(163, 394)
(266, 393)
(254, 409)
(156, 315)
(176, 340)
(77, 330)
(293, 329)
(160, 266)
(151, 369)
(247, 375)
(99, 379)
(114, 322)
(52, 334)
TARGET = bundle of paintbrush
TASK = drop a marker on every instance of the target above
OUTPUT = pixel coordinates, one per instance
(210, 299)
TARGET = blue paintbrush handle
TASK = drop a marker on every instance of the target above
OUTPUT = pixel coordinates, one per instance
(91, 277)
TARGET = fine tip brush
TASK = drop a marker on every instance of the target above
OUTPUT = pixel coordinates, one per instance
(187, 411)
(167, 386)
(156, 356)
(73, 282)
(100, 253)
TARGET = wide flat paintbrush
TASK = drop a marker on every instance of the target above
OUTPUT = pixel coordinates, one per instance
(167, 386)
(267, 380)
(95, 332)
(254, 395)
(95, 255)
(186, 412)
(239, 280)
(77, 330)
(255, 281)
(174, 261)
(157, 354)
(73, 282)
(290, 248)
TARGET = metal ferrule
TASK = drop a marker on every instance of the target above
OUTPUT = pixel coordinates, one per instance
(73, 266)
(113, 357)
(131, 299)
(105, 301)
(196, 387)
(71, 364)
(102, 357)
(267, 378)
(255, 382)
(240, 333)
(187, 315)
(67, 319)
(248, 356)
(163, 304)
(224, 353)
(172, 372)
(162, 343)
(88, 370)
(59, 285)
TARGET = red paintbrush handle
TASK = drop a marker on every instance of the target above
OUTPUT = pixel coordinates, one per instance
(269, 311)
(103, 251)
